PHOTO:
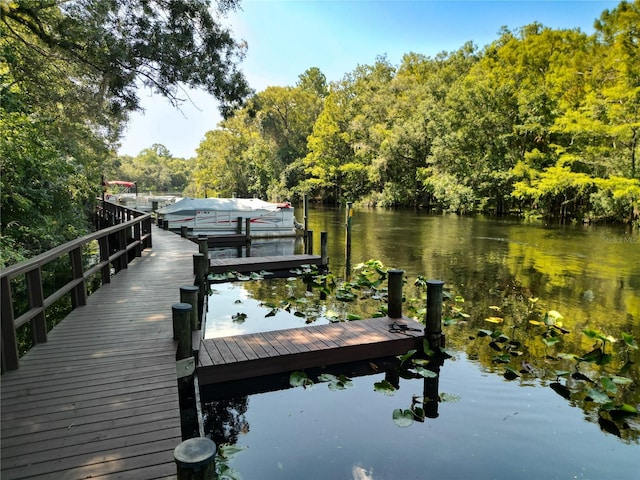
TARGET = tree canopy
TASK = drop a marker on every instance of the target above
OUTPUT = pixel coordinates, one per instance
(69, 77)
(543, 121)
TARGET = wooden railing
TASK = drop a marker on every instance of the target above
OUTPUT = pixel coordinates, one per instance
(117, 245)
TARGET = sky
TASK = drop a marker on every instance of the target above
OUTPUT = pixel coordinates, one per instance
(286, 37)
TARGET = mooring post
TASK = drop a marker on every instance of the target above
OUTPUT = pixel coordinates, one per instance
(324, 255)
(201, 270)
(184, 231)
(433, 328)
(239, 225)
(305, 207)
(247, 229)
(394, 289)
(195, 459)
(309, 242)
(347, 242)
(203, 246)
(182, 329)
(165, 225)
(189, 294)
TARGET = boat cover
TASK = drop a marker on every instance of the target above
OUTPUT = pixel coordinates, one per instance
(218, 204)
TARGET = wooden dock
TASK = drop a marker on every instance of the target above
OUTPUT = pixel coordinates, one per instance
(253, 355)
(255, 264)
(100, 399)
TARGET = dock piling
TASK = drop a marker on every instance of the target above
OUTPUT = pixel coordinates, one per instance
(395, 293)
(433, 329)
(324, 250)
(309, 242)
(347, 242)
(189, 294)
(195, 459)
(182, 329)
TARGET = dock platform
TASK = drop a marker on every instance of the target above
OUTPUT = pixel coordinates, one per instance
(253, 355)
(255, 264)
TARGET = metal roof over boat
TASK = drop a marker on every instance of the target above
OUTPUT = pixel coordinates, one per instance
(220, 204)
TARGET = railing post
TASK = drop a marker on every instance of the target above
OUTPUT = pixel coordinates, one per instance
(36, 300)
(433, 328)
(105, 272)
(10, 356)
(182, 329)
(247, 229)
(147, 232)
(137, 237)
(195, 459)
(79, 292)
(122, 245)
(394, 290)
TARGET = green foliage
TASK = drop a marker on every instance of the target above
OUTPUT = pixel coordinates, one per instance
(69, 73)
(540, 120)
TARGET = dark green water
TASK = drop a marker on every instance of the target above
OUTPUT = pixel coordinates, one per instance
(487, 426)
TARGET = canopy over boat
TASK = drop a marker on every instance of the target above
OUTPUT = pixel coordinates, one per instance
(228, 215)
(192, 205)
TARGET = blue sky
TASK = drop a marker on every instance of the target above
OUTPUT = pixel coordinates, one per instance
(286, 37)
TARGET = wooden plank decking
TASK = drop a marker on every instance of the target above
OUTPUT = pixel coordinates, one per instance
(99, 400)
(255, 264)
(252, 355)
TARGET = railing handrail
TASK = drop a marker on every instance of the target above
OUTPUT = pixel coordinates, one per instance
(136, 223)
(25, 266)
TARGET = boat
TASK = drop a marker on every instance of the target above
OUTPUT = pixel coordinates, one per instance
(126, 194)
(222, 216)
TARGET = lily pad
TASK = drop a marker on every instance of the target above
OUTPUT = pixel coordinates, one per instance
(402, 418)
(384, 387)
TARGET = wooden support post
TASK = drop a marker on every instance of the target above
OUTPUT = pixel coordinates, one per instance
(182, 329)
(184, 231)
(324, 256)
(79, 292)
(239, 226)
(154, 205)
(165, 224)
(8, 329)
(305, 218)
(309, 242)
(247, 228)
(394, 289)
(433, 328)
(123, 259)
(202, 270)
(203, 246)
(189, 294)
(347, 254)
(36, 300)
(105, 272)
(195, 459)
(137, 236)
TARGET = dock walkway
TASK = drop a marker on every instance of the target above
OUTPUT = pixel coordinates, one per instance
(255, 264)
(99, 400)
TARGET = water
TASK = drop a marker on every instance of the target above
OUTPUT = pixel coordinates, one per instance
(496, 428)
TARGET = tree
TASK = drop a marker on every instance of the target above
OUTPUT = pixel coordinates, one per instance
(69, 73)
(112, 45)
